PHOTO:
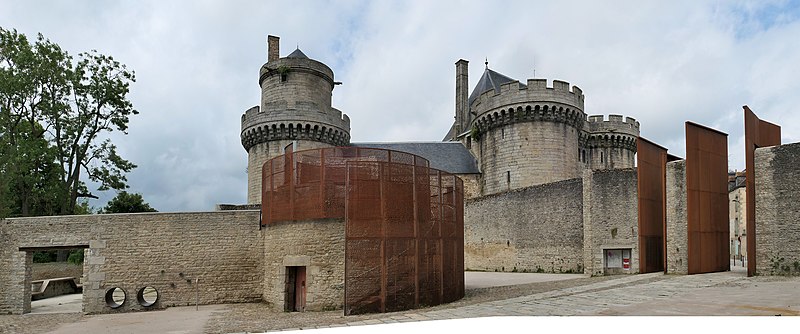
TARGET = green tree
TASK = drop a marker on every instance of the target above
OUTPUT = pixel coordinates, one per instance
(54, 110)
(126, 202)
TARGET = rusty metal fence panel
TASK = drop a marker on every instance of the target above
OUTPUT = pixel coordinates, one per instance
(757, 133)
(310, 184)
(707, 199)
(404, 222)
(652, 192)
(404, 237)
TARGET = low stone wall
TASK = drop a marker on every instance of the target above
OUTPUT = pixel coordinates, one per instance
(610, 218)
(677, 228)
(777, 180)
(538, 228)
(42, 271)
(167, 251)
(317, 245)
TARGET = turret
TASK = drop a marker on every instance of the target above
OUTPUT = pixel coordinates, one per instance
(295, 110)
(610, 143)
(524, 135)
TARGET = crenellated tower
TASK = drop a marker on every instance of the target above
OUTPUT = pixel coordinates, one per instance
(610, 144)
(295, 109)
(529, 134)
(524, 134)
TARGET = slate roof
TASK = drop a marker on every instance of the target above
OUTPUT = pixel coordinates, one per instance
(489, 80)
(451, 157)
(297, 54)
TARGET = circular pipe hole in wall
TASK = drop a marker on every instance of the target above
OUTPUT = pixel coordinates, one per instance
(147, 296)
(115, 297)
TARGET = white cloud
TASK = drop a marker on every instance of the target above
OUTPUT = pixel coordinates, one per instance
(197, 65)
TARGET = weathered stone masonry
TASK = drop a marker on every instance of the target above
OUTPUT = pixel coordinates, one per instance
(532, 229)
(167, 251)
(610, 217)
(677, 225)
(317, 245)
(777, 215)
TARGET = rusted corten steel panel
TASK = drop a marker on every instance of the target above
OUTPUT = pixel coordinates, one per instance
(707, 199)
(757, 133)
(310, 184)
(651, 160)
(404, 237)
(404, 222)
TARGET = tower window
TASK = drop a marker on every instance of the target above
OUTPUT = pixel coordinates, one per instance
(508, 177)
(601, 157)
(283, 77)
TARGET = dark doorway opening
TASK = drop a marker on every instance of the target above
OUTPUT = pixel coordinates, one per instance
(295, 289)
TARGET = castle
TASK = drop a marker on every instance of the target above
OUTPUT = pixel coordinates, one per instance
(523, 181)
(506, 136)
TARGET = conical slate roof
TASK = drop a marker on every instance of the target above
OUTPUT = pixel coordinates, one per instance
(297, 54)
(489, 80)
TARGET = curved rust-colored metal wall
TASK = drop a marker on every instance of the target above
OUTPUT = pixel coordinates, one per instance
(404, 221)
(310, 184)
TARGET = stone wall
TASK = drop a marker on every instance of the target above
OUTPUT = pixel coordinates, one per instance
(472, 185)
(537, 228)
(40, 271)
(610, 217)
(677, 228)
(520, 155)
(317, 245)
(261, 153)
(167, 251)
(777, 180)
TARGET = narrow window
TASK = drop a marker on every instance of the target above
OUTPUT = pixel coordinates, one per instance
(601, 157)
(508, 176)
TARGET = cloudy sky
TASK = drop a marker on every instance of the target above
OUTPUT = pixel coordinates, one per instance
(197, 62)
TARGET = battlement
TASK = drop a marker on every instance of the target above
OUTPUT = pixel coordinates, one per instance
(334, 117)
(559, 94)
(332, 127)
(613, 121)
(615, 131)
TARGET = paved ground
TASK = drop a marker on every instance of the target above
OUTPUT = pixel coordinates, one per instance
(727, 293)
(174, 320)
(478, 279)
(61, 304)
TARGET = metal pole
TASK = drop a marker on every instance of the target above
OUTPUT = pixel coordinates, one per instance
(196, 294)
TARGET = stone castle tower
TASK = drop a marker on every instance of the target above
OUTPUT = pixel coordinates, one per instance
(530, 134)
(295, 110)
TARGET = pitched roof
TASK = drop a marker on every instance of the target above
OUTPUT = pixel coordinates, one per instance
(489, 80)
(451, 157)
(297, 54)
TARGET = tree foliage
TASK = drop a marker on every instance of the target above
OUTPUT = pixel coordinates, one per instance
(126, 202)
(55, 116)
